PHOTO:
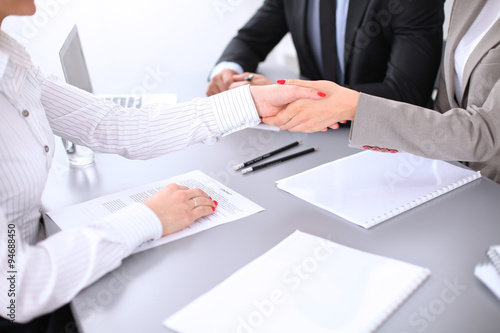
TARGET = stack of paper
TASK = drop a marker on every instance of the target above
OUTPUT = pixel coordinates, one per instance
(368, 188)
(489, 272)
(304, 284)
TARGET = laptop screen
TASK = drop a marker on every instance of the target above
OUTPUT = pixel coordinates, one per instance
(73, 62)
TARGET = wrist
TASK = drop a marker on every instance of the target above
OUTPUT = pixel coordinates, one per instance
(254, 93)
(352, 99)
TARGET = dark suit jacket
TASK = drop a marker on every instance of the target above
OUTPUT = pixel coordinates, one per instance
(392, 47)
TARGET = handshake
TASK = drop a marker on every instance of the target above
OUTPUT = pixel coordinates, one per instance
(304, 106)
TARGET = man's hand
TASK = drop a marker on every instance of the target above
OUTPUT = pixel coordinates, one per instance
(272, 99)
(312, 115)
(257, 80)
(221, 82)
(178, 206)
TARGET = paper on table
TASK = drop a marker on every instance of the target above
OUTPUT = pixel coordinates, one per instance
(370, 187)
(303, 284)
(489, 276)
(232, 206)
(494, 255)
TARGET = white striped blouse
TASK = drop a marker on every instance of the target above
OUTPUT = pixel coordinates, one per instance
(33, 107)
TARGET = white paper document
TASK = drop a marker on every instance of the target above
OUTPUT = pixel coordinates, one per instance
(368, 188)
(489, 276)
(303, 284)
(231, 206)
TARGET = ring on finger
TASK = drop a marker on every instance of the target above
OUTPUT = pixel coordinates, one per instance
(194, 199)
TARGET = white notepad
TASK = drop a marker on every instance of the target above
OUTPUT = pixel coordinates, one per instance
(488, 275)
(303, 284)
(494, 255)
(489, 272)
(368, 188)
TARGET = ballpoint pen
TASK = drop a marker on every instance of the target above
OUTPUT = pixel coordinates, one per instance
(278, 161)
(260, 158)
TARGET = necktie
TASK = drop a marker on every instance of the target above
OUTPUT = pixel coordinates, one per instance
(328, 39)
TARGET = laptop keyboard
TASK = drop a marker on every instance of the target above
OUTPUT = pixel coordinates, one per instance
(127, 101)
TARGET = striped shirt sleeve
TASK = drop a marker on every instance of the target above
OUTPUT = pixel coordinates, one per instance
(148, 132)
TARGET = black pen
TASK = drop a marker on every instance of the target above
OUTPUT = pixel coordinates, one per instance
(278, 161)
(260, 158)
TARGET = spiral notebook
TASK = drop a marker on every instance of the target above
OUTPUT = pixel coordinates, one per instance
(494, 255)
(304, 284)
(368, 188)
(489, 272)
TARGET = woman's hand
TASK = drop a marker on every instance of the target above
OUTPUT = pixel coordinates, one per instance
(313, 115)
(178, 206)
(274, 98)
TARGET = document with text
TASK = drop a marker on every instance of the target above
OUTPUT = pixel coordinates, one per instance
(231, 206)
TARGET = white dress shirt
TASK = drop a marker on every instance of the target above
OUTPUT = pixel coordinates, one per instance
(314, 35)
(33, 107)
(482, 24)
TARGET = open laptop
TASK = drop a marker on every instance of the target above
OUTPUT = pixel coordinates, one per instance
(76, 73)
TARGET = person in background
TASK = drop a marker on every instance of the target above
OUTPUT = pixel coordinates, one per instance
(33, 107)
(466, 123)
(387, 48)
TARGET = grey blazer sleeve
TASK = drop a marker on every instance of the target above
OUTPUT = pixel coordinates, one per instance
(471, 134)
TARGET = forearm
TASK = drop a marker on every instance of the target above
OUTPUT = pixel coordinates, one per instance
(53, 272)
(456, 135)
(143, 133)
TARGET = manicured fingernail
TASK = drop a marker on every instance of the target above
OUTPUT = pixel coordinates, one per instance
(321, 94)
(213, 209)
(215, 202)
(280, 82)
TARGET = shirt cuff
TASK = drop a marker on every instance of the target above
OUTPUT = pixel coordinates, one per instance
(226, 65)
(137, 224)
(234, 110)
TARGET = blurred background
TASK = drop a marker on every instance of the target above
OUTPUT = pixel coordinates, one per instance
(168, 44)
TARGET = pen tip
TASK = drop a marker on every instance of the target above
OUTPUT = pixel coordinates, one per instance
(239, 166)
(316, 148)
(300, 141)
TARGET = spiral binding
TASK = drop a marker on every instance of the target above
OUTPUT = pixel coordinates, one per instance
(401, 299)
(494, 255)
(381, 218)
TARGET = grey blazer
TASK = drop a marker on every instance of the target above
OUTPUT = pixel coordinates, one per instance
(466, 130)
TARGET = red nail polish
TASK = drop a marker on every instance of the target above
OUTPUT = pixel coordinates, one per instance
(216, 203)
(280, 82)
(321, 94)
(213, 209)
